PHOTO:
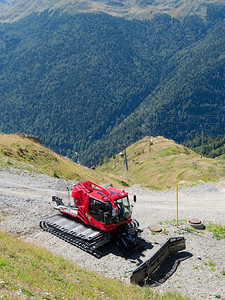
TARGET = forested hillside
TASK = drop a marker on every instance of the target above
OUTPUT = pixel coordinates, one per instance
(89, 83)
(208, 146)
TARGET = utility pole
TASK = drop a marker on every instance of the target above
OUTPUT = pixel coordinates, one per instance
(150, 142)
(125, 157)
(202, 145)
(76, 153)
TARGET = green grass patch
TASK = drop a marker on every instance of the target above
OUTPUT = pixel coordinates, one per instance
(180, 175)
(195, 267)
(169, 151)
(165, 231)
(190, 229)
(218, 231)
(209, 263)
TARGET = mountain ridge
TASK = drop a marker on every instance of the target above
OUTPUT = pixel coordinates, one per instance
(144, 9)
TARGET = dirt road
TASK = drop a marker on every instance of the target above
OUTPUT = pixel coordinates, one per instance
(25, 198)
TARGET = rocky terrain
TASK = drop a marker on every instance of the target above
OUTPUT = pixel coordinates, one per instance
(198, 272)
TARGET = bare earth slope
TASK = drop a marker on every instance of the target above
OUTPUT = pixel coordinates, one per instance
(25, 199)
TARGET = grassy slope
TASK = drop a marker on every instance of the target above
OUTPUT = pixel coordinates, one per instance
(23, 153)
(165, 165)
(30, 272)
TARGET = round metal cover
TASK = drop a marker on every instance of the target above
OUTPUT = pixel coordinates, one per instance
(195, 221)
(155, 228)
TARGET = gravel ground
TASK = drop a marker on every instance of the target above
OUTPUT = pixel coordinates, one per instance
(25, 199)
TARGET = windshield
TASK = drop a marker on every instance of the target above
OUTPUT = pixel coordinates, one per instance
(104, 212)
(123, 207)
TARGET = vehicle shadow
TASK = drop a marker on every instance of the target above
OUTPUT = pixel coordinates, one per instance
(135, 253)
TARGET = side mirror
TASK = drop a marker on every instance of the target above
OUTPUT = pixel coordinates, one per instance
(135, 198)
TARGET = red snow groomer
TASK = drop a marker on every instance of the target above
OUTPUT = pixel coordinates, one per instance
(97, 216)
(102, 215)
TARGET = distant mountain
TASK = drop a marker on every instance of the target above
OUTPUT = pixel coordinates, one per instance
(89, 83)
(138, 9)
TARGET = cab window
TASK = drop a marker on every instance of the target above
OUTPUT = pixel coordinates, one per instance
(96, 209)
